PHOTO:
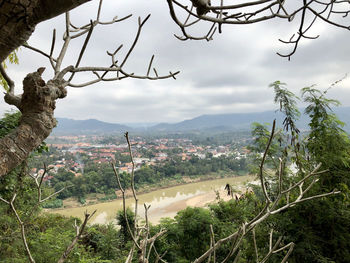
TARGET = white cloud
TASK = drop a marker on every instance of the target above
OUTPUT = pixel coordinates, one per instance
(229, 74)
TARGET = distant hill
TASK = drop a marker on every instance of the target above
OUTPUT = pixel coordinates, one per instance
(234, 121)
(241, 121)
(203, 123)
(90, 126)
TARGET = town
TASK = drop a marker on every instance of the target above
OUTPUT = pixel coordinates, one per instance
(73, 152)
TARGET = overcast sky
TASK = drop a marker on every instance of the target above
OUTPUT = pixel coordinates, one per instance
(227, 75)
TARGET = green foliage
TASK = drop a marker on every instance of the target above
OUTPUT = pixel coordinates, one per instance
(9, 122)
(56, 203)
(99, 178)
(188, 235)
(194, 167)
(261, 136)
(82, 200)
(48, 236)
(193, 231)
(123, 222)
(109, 197)
(288, 105)
(103, 241)
(96, 179)
(122, 158)
(327, 142)
(13, 59)
(42, 148)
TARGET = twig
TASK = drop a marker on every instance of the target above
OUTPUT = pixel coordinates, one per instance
(248, 12)
(9, 81)
(132, 234)
(132, 180)
(80, 231)
(21, 224)
(255, 246)
(270, 208)
(261, 172)
(83, 47)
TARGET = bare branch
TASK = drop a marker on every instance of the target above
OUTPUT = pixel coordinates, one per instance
(126, 135)
(313, 173)
(334, 192)
(123, 75)
(53, 42)
(80, 231)
(38, 51)
(255, 246)
(64, 48)
(38, 181)
(55, 193)
(39, 184)
(160, 257)
(212, 242)
(248, 12)
(84, 46)
(237, 257)
(261, 172)
(269, 254)
(270, 208)
(9, 81)
(132, 234)
(5, 201)
(12, 99)
(149, 66)
(140, 235)
(99, 11)
(141, 24)
(73, 32)
(270, 243)
(21, 224)
(291, 247)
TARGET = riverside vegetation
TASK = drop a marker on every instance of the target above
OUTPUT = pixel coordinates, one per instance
(83, 162)
(319, 228)
(88, 173)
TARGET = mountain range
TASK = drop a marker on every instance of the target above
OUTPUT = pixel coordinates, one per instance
(91, 126)
(203, 123)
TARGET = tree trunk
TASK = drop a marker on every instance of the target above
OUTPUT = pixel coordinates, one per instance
(37, 105)
(18, 19)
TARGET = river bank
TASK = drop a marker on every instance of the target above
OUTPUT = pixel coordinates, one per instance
(92, 199)
(164, 202)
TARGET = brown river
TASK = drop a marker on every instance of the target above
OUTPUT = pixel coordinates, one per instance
(164, 202)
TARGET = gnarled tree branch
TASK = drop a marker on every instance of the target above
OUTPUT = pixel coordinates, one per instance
(242, 12)
(19, 18)
(37, 105)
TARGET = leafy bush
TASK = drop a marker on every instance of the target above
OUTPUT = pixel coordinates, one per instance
(57, 203)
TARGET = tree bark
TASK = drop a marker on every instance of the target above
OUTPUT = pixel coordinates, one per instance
(37, 105)
(18, 19)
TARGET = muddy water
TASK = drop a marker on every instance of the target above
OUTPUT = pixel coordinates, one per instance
(164, 203)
